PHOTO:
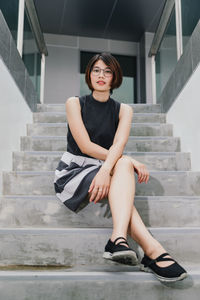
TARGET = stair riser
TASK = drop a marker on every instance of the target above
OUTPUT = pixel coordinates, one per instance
(84, 246)
(61, 118)
(138, 108)
(44, 162)
(52, 213)
(40, 130)
(60, 144)
(160, 184)
(94, 287)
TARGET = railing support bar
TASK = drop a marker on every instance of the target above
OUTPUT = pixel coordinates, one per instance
(20, 29)
(153, 68)
(42, 78)
(179, 39)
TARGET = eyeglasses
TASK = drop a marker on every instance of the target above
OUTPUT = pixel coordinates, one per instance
(106, 72)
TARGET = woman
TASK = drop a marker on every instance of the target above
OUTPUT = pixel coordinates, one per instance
(94, 168)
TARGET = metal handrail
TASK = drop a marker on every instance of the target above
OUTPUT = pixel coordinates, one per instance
(169, 5)
(35, 25)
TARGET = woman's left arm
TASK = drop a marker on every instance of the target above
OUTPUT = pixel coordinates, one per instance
(99, 186)
(119, 143)
(101, 181)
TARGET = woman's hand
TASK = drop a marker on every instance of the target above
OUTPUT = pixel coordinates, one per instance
(99, 186)
(141, 170)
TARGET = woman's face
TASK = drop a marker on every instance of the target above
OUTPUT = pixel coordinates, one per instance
(101, 77)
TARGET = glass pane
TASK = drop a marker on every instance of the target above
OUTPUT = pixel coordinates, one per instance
(125, 93)
(10, 12)
(190, 17)
(166, 57)
(31, 55)
(84, 90)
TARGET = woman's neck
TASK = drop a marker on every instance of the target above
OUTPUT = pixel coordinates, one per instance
(101, 96)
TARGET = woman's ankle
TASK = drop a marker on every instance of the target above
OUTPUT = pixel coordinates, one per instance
(115, 236)
(154, 250)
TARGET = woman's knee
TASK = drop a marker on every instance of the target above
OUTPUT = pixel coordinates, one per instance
(124, 161)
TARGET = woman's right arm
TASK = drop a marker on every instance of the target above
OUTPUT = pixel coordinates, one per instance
(79, 132)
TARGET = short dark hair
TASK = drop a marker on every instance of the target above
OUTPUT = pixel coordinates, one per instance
(112, 63)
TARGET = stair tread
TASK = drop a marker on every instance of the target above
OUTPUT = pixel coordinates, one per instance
(85, 276)
(130, 137)
(64, 113)
(125, 152)
(130, 103)
(51, 172)
(164, 198)
(42, 230)
(112, 272)
(57, 124)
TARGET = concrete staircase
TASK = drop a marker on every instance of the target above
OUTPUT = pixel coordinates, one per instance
(49, 252)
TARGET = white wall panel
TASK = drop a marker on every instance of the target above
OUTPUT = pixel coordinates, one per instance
(184, 114)
(14, 115)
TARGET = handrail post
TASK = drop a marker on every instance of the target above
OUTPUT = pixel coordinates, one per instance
(179, 38)
(20, 29)
(153, 70)
(42, 78)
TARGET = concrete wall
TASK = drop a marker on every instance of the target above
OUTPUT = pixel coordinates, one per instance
(184, 115)
(14, 114)
(63, 63)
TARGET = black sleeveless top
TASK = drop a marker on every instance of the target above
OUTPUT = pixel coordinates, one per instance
(100, 119)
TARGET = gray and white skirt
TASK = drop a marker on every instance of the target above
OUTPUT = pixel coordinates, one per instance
(73, 177)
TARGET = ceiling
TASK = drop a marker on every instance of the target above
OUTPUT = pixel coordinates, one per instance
(110, 19)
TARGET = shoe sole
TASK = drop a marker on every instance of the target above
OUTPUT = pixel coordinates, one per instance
(163, 279)
(123, 257)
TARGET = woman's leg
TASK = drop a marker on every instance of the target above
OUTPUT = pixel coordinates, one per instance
(121, 197)
(124, 214)
(138, 231)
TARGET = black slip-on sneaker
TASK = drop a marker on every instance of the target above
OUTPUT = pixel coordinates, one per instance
(120, 253)
(172, 273)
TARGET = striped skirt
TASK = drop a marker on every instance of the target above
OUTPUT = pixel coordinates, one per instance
(73, 177)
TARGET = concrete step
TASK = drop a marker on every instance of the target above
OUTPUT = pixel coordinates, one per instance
(49, 211)
(167, 183)
(141, 144)
(83, 246)
(60, 117)
(137, 129)
(138, 108)
(48, 161)
(127, 283)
